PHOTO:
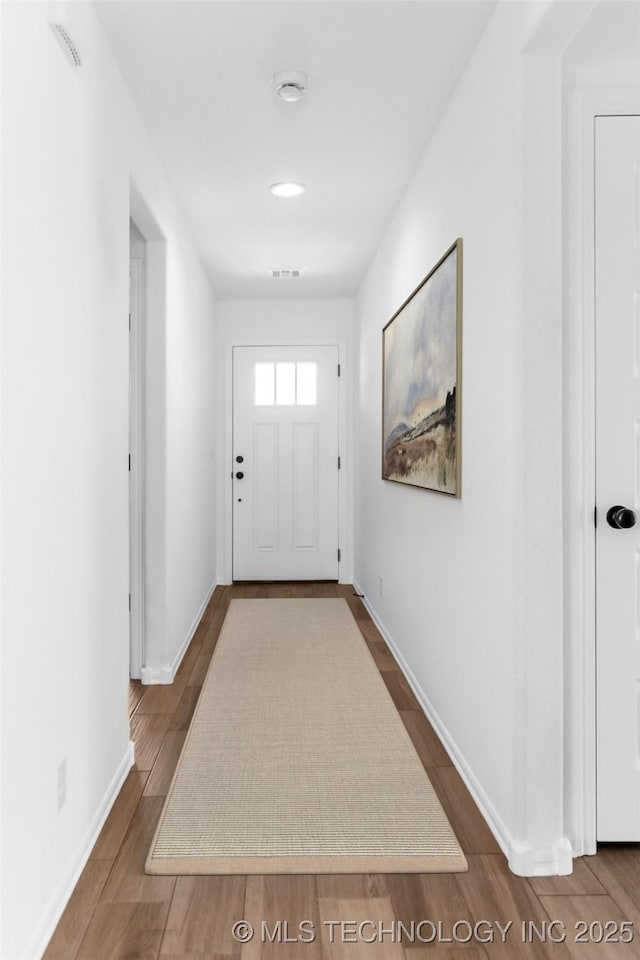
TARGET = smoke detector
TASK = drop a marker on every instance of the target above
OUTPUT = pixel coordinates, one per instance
(290, 85)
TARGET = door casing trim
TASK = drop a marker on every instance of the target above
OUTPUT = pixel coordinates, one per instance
(136, 469)
(580, 459)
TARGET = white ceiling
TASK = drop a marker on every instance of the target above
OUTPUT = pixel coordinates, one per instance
(380, 74)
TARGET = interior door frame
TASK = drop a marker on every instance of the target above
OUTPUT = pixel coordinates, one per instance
(345, 564)
(580, 459)
(136, 468)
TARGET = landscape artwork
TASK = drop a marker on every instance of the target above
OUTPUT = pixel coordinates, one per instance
(421, 382)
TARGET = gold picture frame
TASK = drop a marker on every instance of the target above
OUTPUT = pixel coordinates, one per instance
(422, 382)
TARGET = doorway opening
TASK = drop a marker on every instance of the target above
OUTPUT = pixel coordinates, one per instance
(137, 260)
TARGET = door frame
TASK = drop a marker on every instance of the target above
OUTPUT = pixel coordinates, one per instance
(580, 459)
(136, 468)
(345, 565)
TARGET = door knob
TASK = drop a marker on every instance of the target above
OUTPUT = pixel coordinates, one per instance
(621, 518)
(240, 475)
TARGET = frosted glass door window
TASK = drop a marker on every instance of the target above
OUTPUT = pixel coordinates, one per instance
(264, 384)
(306, 384)
(286, 384)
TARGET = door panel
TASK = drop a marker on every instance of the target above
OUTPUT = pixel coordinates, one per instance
(617, 260)
(285, 429)
(265, 516)
(306, 507)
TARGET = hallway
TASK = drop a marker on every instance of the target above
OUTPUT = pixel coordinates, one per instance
(158, 134)
(118, 913)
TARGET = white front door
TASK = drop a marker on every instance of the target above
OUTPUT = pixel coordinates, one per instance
(285, 463)
(617, 295)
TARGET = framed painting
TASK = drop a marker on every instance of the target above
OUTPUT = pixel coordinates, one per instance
(421, 388)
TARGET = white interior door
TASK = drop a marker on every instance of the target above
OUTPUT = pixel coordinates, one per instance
(617, 261)
(285, 463)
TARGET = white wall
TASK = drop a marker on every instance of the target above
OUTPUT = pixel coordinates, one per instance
(293, 322)
(473, 587)
(137, 243)
(72, 145)
(191, 480)
(604, 52)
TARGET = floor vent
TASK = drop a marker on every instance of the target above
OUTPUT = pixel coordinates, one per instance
(286, 273)
(69, 48)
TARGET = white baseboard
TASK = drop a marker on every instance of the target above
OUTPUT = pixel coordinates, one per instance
(44, 930)
(525, 861)
(530, 861)
(177, 660)
(167, 673)
(149, 676)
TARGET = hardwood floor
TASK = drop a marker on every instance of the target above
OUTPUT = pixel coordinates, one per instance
(118, 913)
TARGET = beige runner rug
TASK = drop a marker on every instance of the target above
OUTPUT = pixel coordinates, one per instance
(296, 760)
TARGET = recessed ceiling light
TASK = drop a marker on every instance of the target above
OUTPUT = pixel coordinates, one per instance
(287, 189)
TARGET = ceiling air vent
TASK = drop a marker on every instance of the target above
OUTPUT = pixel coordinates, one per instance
(286, 273)
(67, 44)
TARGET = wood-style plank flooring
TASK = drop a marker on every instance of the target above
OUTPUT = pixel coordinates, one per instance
(118, 913)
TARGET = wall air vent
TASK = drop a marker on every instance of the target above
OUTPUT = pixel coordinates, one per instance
(286, 273)
(67, 44)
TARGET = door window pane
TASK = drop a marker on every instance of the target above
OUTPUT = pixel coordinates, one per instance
(264, 384)
(285, 384)
(306, 385)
